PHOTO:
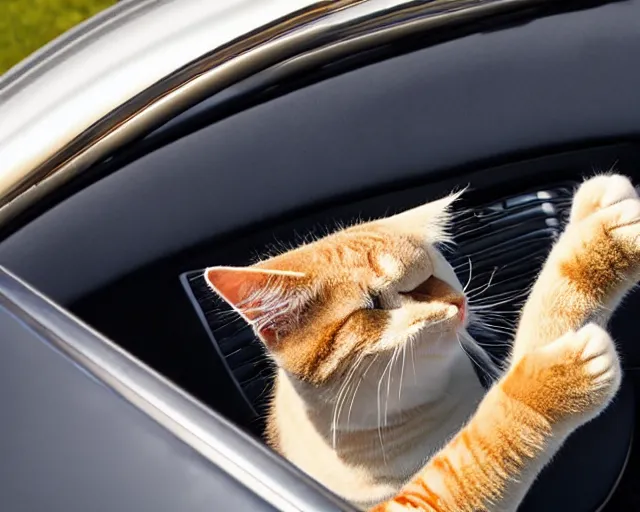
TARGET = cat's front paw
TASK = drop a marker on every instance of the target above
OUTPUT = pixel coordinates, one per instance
(573, 378)
(600, 249)
(593, 372)
(600, 192)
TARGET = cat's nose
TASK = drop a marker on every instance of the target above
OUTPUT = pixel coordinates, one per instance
(462, 308)
(457, 300)
(437, 289)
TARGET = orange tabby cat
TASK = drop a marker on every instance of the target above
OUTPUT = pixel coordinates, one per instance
(372, 381)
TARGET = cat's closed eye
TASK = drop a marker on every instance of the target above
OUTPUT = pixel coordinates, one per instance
(375, 302)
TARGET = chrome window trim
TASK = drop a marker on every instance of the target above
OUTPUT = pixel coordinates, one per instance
(237, 454)
(146, 72)
(318, 30)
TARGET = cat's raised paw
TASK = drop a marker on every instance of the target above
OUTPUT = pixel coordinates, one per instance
(601, 248)
(575, 376)
(590, 375)
(600, 192)
(595, 352)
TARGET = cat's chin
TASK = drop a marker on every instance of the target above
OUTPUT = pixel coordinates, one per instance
(435, 350)
(455, 326)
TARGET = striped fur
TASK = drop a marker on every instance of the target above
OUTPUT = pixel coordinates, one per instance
(375, 397)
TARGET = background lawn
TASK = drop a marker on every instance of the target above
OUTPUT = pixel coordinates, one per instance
(26, 25)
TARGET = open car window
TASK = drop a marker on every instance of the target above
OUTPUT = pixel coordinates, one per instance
(520, 111)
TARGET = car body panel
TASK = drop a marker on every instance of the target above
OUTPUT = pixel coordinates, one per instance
(142, 68)
(87, 427)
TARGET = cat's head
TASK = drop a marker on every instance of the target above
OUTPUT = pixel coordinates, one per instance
(365, 290)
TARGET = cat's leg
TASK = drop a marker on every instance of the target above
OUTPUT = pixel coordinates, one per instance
(515, 432)
(561, 384)
(593, 264)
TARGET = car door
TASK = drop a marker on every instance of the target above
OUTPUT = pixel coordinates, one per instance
(87, 427)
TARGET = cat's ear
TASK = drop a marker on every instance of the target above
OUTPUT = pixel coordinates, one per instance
(272, 301)
(427, 222)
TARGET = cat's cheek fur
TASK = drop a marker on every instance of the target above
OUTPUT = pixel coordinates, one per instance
(412, 324)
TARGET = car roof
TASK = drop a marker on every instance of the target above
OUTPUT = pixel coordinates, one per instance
(67, 86)
(140, 63)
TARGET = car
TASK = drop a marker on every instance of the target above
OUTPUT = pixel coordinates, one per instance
(159, 138)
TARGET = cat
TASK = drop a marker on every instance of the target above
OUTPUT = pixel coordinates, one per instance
(374, 395)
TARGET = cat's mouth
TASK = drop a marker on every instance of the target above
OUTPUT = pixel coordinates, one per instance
(435, 289)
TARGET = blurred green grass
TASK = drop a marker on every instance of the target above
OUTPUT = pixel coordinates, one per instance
(26, 25)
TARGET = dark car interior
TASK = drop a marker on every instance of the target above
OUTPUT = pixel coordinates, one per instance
(521, 112)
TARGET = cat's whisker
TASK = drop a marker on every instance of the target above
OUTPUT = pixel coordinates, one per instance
(497, 321)
(475, 299)
(496, 328)
(362, 377)
(515, 295)
(500, 311)
(342, 393)
(485, 309)
(467, 352)
(356, 365)
(387, 367)
(505, 328)
(384, 457)
(477, 291)
(484, 326)
(497, 314)
(334, 420)
(495, 344)
(413, 361)
(505, 296)
(449, 245)
(491, 372)
(232, 321)
(489, 306)
(353, 398)
(469, 279)
(404, 357)
(460, 266)
(501, 319)
(500, 333)
(386, 402)
(230, 313)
